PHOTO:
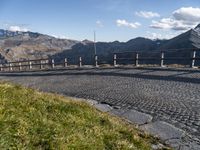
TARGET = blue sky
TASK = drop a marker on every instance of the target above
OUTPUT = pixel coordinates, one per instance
(111, 19)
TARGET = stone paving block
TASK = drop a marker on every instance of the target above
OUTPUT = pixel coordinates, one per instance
(163, 130)
(182, 145)
(91, 102)
(118, 112)
(137, 117)
(193, 146)
(103, 107)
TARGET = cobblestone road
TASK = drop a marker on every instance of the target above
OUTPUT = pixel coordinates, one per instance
(167, 94)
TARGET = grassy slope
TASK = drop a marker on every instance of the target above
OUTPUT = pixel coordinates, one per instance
(33, 120)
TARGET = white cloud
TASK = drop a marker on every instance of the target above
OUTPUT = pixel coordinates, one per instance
(167, 35)
(151, 35)
(147, 14)
(122, 22)
(170, 23)
(99, 24)
(17, 28)
(187, 14)
(60, 36)
(181, 19)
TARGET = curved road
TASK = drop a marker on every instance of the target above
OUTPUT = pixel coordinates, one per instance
(170, 95)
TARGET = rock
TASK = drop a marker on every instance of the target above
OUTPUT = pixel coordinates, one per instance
(163, 130)
(103, 107)
(137, 117)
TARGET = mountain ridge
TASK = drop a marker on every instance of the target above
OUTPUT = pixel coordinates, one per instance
(32, 45)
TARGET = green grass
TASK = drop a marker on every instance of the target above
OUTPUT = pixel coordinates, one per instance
(33, 120)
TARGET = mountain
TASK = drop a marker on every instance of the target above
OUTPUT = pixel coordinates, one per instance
(7, 33)
(185, 41)
(189, 39)
(105, 50)
(29, 45)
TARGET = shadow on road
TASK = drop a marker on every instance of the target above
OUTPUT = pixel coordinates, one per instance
(145, 73)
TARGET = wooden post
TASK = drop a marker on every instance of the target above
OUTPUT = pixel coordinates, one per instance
(47, 62)
(96, 60)
(10, 67)
(52, 63)
(1, 67)
(80, 62)
(136, 59)
(115, 60)
(193, 58)
(30, 65)
(20, 66)
(162, 59)
(65, 62)
(41, 66)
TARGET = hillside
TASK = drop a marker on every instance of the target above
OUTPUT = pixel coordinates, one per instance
(33, 120)
(28, 45)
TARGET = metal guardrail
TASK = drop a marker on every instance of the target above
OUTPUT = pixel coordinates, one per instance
(42, 63)
(162, 58)
(50, 63)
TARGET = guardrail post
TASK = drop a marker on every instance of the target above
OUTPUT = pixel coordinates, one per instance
(65, 62)
(136, 59)
(20, 66)
(96, 60)
(162, 59)
(47, 62)
(193, 58)
(10, 67)
(52, 63)
(30, 65)
(1, 67)
(80, 62)
(41, 66)
(115, 60)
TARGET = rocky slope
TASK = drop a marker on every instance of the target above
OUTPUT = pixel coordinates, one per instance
(28, 45)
